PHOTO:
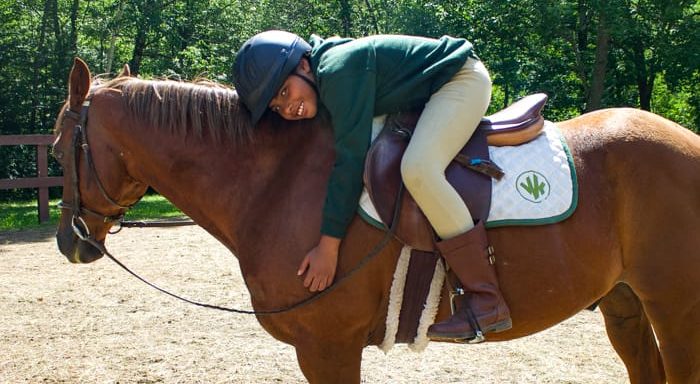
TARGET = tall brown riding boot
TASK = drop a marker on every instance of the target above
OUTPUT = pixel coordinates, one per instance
(483, 309)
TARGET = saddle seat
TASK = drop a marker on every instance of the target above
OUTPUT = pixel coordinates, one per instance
(519, 123)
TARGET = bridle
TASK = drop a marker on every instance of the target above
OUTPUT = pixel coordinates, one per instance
(81, 230)
(79, 140)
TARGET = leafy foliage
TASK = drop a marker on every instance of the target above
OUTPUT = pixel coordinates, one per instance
(585, 54)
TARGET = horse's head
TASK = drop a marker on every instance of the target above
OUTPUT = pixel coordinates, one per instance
(97, 189)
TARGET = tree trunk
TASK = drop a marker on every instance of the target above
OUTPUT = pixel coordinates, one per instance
(645, 77)
(645, 90)
(113, 38)
(70, 45)
(137, 54)
(148, 20)
(73, 38)
(372, 17)
(345, 17)
(597, 87)
(579, 43)
(39, 62)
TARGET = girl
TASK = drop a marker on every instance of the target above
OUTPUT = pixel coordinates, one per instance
(355, 80)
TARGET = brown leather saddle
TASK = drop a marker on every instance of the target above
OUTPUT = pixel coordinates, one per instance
(470, 173)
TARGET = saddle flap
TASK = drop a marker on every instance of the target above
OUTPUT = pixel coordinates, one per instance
(383, 181)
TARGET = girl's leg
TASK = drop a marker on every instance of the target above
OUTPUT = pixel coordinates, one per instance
(448, 121)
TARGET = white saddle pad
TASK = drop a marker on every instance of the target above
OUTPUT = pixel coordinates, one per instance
(539, 186)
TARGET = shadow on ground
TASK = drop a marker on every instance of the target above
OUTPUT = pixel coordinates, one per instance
(34, 235)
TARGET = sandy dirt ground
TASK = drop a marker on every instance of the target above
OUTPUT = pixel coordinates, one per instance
(64, 323)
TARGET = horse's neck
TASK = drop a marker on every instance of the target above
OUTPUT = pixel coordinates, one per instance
(261, 199)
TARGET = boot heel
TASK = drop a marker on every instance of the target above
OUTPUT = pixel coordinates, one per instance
(500, 326)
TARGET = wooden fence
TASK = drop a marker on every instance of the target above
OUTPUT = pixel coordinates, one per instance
(42, 181)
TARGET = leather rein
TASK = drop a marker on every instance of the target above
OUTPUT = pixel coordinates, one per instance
(81, 230)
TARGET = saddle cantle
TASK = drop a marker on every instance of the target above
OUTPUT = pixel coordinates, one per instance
(521, 122)
(517, 124)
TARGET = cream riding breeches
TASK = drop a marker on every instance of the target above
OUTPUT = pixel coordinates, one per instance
(448, 121)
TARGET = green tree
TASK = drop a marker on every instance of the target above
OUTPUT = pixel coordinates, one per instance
(586, 54)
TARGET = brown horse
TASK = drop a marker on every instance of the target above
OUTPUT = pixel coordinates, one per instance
(260, 192)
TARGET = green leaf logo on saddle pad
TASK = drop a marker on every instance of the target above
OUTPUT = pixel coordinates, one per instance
(532, 186)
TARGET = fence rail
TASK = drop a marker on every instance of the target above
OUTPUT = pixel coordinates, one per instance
(42, 182)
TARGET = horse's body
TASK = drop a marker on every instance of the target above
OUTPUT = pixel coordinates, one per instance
(630, 242)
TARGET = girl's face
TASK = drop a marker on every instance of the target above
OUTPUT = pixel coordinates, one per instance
(296, 99)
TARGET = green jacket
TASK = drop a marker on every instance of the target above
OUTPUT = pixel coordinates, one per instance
(367, 77)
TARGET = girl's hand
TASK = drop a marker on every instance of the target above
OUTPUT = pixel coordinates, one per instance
(320, 263)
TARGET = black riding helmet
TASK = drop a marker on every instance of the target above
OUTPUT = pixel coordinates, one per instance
(262, 64)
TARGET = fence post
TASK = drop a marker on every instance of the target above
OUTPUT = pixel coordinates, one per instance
(42, 182)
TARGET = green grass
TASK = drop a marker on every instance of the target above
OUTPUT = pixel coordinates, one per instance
(24, 215)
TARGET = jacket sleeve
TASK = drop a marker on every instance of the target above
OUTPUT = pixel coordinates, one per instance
(350, 99)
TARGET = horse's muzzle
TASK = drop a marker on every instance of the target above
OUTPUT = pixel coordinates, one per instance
(75, 250)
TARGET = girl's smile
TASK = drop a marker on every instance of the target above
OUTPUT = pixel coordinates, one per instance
(296, 98)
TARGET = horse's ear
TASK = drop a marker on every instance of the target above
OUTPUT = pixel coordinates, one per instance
(126, 72)
(78, 84)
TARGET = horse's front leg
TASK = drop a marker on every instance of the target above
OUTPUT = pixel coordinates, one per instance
(330, 362)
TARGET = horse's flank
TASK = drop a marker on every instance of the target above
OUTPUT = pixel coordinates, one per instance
(202, 108)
